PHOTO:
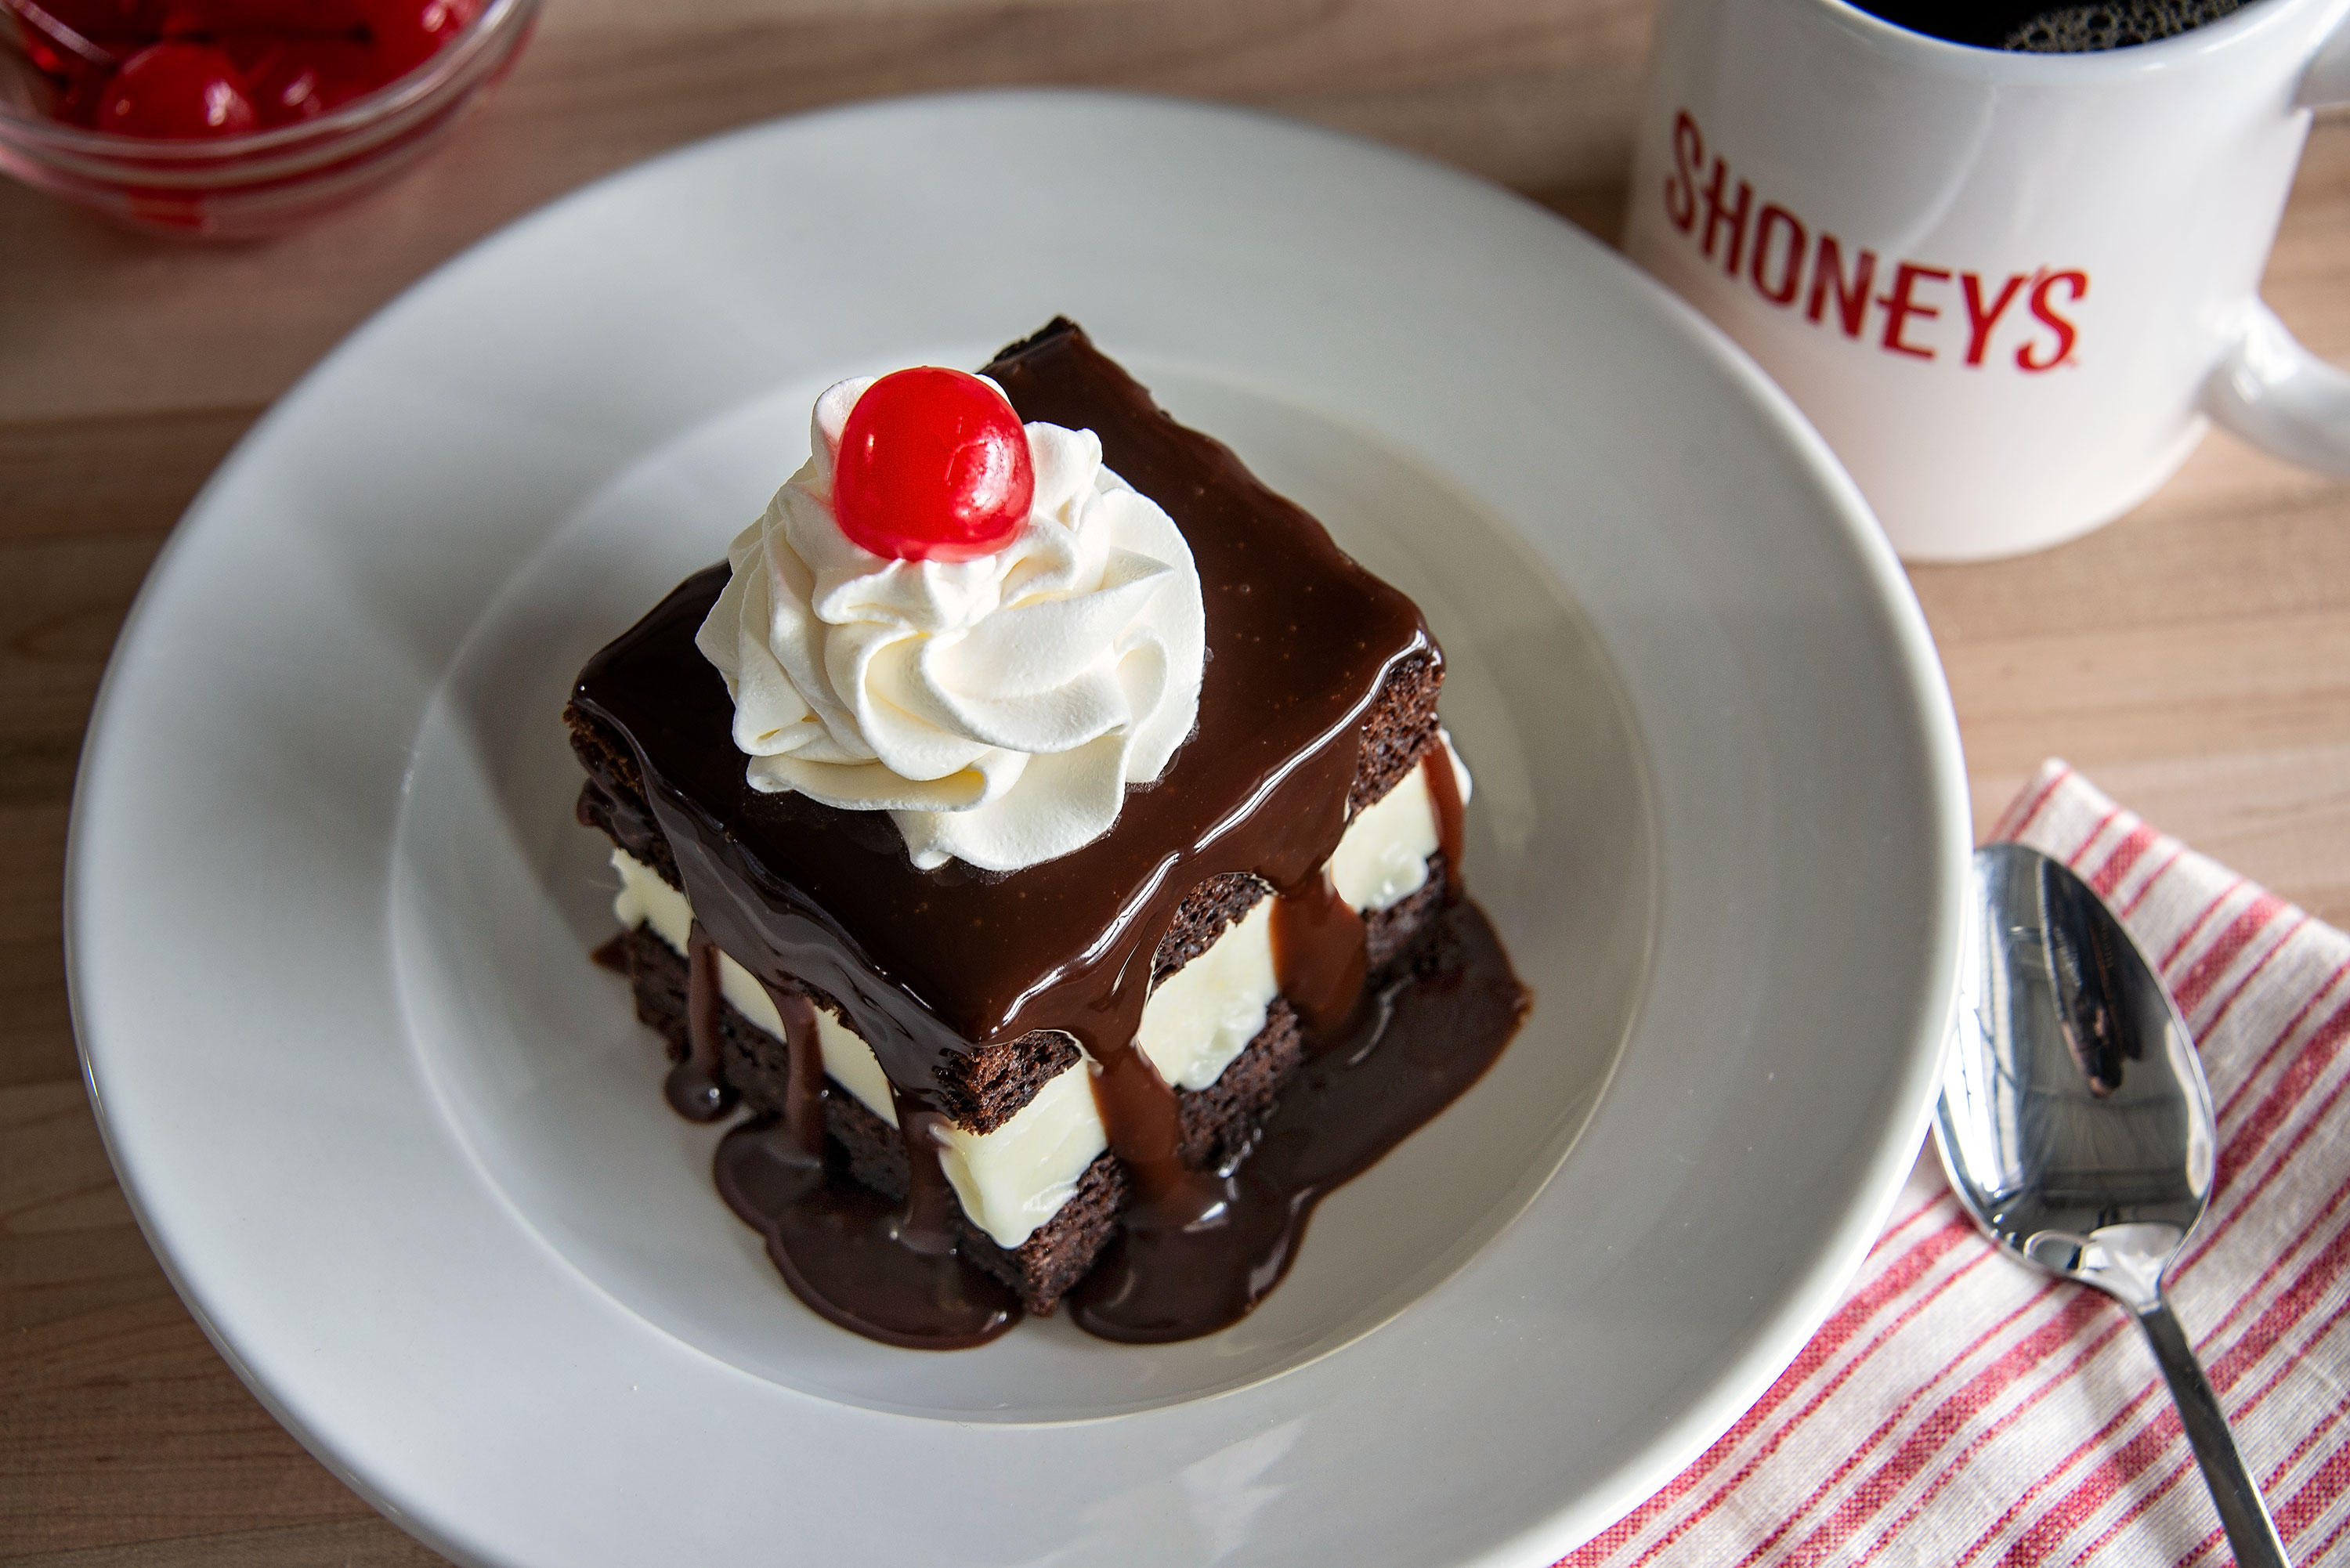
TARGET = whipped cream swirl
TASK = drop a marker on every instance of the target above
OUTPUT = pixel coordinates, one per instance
(996, 708)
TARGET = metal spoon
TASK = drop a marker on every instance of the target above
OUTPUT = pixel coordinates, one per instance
(2077, 1129)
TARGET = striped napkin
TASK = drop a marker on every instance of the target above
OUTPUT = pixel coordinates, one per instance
(1958, 1409)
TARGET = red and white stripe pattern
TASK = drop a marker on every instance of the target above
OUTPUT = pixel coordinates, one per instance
(1957, 1409)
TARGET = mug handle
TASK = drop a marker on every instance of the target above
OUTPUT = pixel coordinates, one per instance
(2270, 389)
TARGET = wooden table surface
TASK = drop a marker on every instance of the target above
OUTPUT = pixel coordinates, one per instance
(2194, 659)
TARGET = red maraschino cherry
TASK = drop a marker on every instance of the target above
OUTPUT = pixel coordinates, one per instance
(177, 90)
(306, 77)
(933, 466)
(407, 33)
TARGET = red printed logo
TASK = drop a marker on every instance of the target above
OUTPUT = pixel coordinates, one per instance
(1922, 313)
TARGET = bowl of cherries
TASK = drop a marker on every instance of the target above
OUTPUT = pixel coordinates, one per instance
(238, 118)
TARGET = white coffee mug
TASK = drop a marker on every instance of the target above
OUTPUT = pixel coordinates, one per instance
(2010, 289)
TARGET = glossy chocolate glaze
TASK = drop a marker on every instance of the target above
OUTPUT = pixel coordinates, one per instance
(929, 963)
(925, 964)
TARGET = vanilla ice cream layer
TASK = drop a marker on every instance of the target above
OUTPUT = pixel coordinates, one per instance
(1196, 1022)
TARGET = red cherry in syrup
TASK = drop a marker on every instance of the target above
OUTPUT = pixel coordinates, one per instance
(407, 33)
(933, 466)
(306, 78)
(177, 90)
(77, 97)
(68, 84)
(287, 18)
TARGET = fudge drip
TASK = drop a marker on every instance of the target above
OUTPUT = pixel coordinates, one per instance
(1144, 1124)
(1444, 794)
(1317, 952)
(926, 1226)
(887, 1272)
(802, 1123)
(696, 1088)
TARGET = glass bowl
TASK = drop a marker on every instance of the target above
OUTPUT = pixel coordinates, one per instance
(267, 181)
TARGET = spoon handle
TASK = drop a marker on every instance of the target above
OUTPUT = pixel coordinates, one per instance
(2251, 1534)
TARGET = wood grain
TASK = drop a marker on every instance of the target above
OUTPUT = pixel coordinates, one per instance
(2193, 658)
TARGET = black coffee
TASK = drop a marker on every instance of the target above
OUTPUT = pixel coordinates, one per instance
(2036, 26)
(2075, 30)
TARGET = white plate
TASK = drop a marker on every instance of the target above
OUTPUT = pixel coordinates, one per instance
(404, 1153)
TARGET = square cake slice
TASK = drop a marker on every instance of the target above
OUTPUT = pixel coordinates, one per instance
(1014, 1084)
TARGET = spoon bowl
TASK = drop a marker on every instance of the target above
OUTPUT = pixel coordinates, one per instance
(2075, 1122)
(2075, 1126)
